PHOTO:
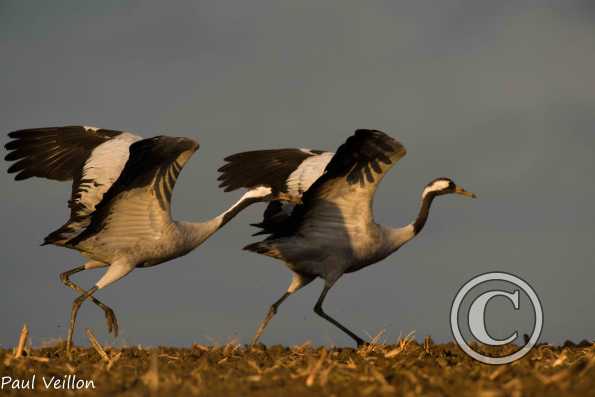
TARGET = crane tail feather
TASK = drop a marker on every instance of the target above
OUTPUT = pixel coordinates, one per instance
(264, 248)
(258, 247)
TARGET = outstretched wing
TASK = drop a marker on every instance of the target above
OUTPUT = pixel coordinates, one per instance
(137, 206)
(288, 172)
(346, 189)
(56, 152)
(92, 158)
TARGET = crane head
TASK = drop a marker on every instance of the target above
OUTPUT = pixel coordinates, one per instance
(440, 186)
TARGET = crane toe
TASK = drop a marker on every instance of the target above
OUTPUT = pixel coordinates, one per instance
(112, 322)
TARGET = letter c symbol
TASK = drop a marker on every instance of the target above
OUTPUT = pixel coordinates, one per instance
(477, 323)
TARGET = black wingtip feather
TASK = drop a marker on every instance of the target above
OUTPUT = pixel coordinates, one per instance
(53, 152)
(269, 168)
(362, 152)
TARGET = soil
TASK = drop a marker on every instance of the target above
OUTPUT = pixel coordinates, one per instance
(404, 369)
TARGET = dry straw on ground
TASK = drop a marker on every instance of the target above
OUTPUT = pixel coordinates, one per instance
(404, 368)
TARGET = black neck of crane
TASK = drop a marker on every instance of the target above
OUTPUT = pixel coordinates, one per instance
(424, 211)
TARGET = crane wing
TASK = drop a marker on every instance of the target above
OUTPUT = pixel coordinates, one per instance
(55, 152)
(92, 158)
(346, 189)
(288, 172)
(137, 205)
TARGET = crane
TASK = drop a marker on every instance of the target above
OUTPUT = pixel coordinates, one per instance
(330, 230)
(120, 216)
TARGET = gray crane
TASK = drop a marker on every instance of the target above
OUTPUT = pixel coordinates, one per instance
(120, 214)
(330, 229)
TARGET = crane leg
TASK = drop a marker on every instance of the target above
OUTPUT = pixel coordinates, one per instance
(297, 282)
(272, 311)
(76, 304)
(318, 310)
(110, 316)
(115, 271)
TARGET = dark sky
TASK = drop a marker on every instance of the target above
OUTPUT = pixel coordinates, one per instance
(499, 96)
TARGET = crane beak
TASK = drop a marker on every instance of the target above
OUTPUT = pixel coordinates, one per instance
(463, 192)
